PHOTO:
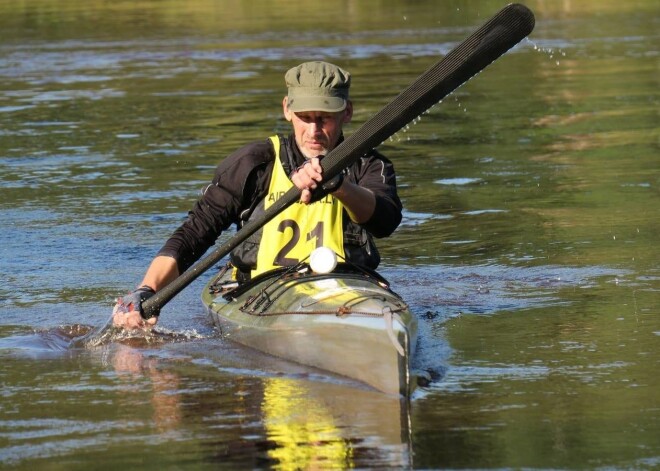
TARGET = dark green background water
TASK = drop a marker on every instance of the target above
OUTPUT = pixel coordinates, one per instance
(528, 250)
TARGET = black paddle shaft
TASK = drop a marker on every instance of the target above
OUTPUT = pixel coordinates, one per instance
(503, 31)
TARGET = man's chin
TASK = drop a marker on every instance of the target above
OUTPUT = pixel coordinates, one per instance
(311, 153)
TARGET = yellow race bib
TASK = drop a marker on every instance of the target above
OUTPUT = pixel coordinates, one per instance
(291, 236)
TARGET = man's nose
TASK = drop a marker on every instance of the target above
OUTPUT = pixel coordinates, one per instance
(317, 124)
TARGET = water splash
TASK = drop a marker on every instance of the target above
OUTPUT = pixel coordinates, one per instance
(137, 338)
(396, 137)
(549, 51)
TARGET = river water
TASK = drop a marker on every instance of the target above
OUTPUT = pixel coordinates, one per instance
(528, 250)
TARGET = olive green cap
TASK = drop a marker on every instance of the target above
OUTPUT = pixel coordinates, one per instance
(317, 86)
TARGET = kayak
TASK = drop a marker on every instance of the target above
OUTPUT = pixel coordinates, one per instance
(348, 322)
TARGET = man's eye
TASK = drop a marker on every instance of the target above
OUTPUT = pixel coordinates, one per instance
(308, 118)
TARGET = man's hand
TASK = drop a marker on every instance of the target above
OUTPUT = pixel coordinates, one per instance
(307, 178)
(128, 313)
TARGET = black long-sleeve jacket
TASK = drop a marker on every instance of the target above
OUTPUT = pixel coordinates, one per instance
(241, 182)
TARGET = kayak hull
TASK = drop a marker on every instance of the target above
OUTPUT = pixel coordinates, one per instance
(348, 322)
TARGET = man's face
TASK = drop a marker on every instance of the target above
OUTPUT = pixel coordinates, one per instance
(317, 132)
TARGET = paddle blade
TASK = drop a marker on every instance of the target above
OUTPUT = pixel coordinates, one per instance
(503, 31)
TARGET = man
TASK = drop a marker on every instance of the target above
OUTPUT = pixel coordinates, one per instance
(344, 214)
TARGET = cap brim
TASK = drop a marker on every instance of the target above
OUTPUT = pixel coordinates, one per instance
(328, 104)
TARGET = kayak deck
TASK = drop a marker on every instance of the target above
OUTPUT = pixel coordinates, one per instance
(347, 322)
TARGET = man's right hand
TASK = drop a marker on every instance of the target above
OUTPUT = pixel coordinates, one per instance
(131, 320)
(127, 312)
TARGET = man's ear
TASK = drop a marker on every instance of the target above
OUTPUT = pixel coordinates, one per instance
(285, 108)
(348, 112)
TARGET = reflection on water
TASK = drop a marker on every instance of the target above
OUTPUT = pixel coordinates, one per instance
(183, 393)
(310, 429)
(528, 248)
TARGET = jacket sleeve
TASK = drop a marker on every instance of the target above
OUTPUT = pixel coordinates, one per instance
(239, 181)
(376, 173)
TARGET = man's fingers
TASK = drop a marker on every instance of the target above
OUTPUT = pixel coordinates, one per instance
(312, 169)
(305, 196)
(306, 177)
(316, 165)
(131, 319)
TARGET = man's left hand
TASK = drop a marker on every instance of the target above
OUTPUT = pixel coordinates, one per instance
(307, 179)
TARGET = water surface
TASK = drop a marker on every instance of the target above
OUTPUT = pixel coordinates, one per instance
(528, 249)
